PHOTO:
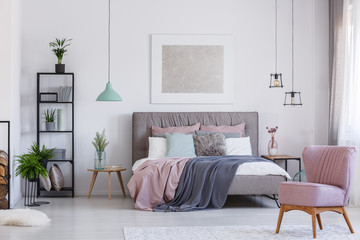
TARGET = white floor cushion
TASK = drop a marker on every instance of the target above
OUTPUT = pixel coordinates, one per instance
(23, 217)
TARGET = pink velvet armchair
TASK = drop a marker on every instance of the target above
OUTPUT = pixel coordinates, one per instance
(329, 170)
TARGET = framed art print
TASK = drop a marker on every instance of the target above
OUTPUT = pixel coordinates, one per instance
(192, 69)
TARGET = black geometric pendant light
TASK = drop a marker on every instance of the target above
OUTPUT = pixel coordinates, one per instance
(276, 78)
(292, 98)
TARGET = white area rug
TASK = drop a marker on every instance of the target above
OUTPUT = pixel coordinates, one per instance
(23, 217)
(329, 232)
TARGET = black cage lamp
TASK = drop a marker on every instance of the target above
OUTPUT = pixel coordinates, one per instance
(292, 98)
(295, 98)
(275, 78)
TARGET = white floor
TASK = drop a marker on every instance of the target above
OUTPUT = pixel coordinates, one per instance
(100, 218)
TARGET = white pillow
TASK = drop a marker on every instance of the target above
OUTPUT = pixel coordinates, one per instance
(238, 146)
(157, 147)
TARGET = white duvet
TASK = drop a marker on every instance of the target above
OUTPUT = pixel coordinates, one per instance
(253, 168)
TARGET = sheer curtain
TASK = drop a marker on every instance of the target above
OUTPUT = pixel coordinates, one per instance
(345, 81)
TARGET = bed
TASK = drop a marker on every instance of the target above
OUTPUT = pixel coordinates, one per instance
(242, 184)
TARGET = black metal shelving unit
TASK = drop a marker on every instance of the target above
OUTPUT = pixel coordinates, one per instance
(40, 132)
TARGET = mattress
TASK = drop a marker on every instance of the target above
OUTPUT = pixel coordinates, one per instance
(246, 169)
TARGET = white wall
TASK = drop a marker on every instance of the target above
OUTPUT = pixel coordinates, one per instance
(10, 86)
(133, 22)
(15, 91)
(321, 76)
(5, 58)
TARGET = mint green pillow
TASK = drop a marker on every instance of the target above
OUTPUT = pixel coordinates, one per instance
(180, 145)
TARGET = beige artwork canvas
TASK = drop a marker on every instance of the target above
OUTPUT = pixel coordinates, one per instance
(192, 69)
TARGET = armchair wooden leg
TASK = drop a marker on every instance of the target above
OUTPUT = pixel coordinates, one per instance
(313, 218)
(281, 214)
(347, 220)
(319, 221)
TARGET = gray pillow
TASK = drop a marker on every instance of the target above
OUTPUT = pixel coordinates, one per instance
(210, 145)
(164, 135)
(56, 177)
(45, 182)
(227, 135)
(159, 135)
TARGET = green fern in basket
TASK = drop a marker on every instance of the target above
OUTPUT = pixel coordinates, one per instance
(30, 167)
(100, 143)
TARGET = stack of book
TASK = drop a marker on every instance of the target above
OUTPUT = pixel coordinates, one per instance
(64, 94)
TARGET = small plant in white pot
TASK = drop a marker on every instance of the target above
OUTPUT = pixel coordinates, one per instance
(49, 116)
(100, 144)
(59, 48)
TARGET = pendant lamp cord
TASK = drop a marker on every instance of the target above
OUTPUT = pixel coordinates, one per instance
(292, 43)
(109, 45)
(276, 30)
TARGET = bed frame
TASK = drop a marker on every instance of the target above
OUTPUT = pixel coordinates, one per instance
(241, 185)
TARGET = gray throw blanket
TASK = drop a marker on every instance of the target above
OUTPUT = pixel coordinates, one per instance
(205, 183)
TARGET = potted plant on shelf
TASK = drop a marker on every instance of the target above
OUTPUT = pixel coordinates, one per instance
(100, 144)
(49, 116)
(59, 48)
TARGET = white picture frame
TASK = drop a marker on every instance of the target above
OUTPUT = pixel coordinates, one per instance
(177, 61)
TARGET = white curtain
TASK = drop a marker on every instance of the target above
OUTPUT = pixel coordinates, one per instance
(345, 81)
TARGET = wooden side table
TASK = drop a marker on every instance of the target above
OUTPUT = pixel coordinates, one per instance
(109, 170)
(285, 158)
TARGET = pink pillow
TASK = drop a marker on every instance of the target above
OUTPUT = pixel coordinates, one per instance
(182, 129)
(224, 128)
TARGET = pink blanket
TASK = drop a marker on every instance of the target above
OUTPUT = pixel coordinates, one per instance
(155, 182)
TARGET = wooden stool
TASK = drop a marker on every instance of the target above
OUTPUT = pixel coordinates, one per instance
(109, 170)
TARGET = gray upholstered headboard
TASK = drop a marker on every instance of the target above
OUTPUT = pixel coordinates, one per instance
(142, 122)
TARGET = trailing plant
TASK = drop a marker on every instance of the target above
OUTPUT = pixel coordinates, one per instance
(100, 143)
(49, 115)
(29, 167)
(59, 47)
(43, 153)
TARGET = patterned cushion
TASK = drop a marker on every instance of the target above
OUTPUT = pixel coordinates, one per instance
(210, 145)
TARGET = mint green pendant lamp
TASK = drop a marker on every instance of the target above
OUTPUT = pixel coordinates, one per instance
(109, 94)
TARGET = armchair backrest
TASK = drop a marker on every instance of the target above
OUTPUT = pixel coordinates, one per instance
(332, 165)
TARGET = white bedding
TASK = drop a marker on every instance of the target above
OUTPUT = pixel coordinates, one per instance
(253, 168)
